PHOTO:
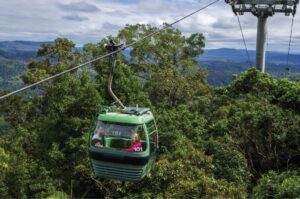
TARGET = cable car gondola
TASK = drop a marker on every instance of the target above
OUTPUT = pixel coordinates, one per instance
(124, 143)
(112, 150)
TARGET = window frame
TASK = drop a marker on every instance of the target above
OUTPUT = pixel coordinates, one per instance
(151, 130)
(108, 138)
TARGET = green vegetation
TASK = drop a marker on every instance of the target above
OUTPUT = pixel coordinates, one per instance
(278, 185)
(239, 141)
(10, 70)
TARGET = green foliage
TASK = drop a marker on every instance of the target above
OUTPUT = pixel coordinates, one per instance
(22, 176)
(283, 92)
(4, 166)
(191, 126)
(266, 133)
(53, 59)
(214, 142)
(255, 83)
(10, 69)
(229, 163)
(177, 89)
(4, 126)
(53, 124)
(3, 160)
(185, 172)
(166, 50)
(278, 185)
(59, 195)
(287, 94)
(125, 85)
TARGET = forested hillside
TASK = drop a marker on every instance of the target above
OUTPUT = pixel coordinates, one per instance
(13, 59)
(238, 141)
(222, 63)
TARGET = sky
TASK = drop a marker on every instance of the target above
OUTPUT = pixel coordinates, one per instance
(88, 21)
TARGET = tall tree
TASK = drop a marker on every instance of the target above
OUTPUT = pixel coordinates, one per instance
(59, 114)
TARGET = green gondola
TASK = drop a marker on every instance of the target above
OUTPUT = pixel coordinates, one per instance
(111, 144)
(124, 143)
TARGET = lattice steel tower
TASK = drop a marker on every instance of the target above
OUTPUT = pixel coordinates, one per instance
(263, 9)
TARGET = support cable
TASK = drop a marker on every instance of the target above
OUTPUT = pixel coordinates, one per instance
(240, 25)
(109, 54)
(289, 48)
(267, 54)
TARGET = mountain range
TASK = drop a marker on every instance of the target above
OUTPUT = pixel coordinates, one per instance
(20, 50)
(223, 63)
(229, 54)
(220, 63)
(25, 46)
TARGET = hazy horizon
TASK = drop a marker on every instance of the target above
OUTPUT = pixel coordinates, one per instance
(206, 48)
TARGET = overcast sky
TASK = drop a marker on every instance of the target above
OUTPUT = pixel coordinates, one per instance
(85, 21)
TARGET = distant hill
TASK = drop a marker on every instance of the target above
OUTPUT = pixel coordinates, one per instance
(14, 56)
(19, 50)
(17, 55)
(21, 45)
(220, 63)
(240, 55)
(223, 63)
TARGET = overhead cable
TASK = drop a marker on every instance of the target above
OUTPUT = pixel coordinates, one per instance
(109, 54)
(240, 25)
(290, 41)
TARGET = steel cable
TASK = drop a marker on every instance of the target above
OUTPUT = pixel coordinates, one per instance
(107, 55)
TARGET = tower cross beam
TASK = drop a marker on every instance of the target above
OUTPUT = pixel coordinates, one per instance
(268, 2)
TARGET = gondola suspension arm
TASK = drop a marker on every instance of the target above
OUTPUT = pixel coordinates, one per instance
(112, 47)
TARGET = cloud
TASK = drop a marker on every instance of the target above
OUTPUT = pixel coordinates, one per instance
(110, 26)
(52, 19)
(225, 24)
(152, 6)
(74, 17)
(79, 7)
(124, 1)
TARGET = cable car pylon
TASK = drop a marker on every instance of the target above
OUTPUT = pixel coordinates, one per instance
(263, 9)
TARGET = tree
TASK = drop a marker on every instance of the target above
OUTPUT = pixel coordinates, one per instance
(4, 165)
(53, 59)
(278, 185)
(126, 84)
(185, 172)
(262, 130)
(169, 49)
(167, 88)
(59, 117)
(22, 175)
(214, 142)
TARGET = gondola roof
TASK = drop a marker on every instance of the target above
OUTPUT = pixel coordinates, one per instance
(129, 115)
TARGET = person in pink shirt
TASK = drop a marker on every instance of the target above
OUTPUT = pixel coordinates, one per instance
(137, 145)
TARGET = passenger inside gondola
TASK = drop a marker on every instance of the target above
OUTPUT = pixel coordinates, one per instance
(137, 145)
(98, 137)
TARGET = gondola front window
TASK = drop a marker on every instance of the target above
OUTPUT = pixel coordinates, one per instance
(119, 136)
